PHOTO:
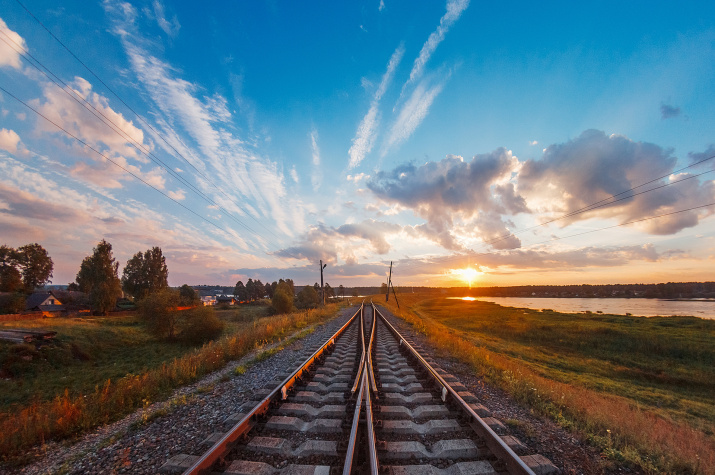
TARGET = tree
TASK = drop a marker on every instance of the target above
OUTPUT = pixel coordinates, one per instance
(159, 311)
(355, 292)
(329, 291)
(199, 325)
(341, 291)
(258, 290)
(269, 290)
(188, 296)
(250, 289)
(36, 266)
(98, 276)
(25, 268)
(282, 298)
(240, 291)
(307, 298)
(10, 277)
(383, 288)
(145, 273)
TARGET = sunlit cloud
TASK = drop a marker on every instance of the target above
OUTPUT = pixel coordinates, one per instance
(316, 178)
(8, 52)
(9, 140)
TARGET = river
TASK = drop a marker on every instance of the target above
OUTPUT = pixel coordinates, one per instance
(635, 306)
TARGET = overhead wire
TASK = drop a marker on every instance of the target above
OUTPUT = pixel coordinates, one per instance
(70, 134)
(605, 202)
(112, 125)
(146, 123)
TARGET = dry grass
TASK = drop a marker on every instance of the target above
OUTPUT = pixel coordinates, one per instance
(67, 415)
(625, 432)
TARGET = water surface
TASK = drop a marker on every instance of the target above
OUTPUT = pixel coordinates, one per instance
(640, 307)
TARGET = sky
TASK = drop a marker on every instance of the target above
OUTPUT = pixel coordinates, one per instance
(529, 142)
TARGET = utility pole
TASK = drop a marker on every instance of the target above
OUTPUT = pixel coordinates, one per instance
(389, 282)
(322, 290)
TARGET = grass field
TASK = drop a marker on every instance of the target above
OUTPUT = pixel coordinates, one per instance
(640, 388)
(103, 368)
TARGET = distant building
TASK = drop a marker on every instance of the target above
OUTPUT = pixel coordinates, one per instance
(45, 302)
(226, 300)
(208, 300)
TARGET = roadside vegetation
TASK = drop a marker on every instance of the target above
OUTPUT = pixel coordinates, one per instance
(101, 369)
(641, 389)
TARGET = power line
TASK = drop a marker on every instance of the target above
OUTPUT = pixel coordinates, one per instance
(114, 127)
(109, 159)
(605, 202)
(147, 124)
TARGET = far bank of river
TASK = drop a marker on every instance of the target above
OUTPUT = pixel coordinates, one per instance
(635, 306)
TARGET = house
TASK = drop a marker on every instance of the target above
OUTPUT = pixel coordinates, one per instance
(225, 300)
(208, 300)
(45, 302)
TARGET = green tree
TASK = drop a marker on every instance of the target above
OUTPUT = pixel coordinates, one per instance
(282, 298)
(329, 291)
(98, 276)
(188, 296)
(158, 309)
(36, 266)
(10, 277)
(145, 273)
(250, 289)
(307, 298)
(258, 290)
(269, 290)
(240, 291)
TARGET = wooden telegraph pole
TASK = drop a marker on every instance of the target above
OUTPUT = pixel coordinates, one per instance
(389, 284)
(322, 290)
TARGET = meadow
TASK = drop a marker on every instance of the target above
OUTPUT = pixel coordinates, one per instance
(100, 369)
(641, 389)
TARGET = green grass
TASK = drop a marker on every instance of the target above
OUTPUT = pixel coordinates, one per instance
(90, 351)
(640, 389)
(664, 363)
(72, 393)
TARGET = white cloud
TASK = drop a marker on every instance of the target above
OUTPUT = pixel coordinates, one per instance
(188, 116)
(294, 174)
(381, 7)
(316, 177)
(412, 114)
(454, 11)
(365, 136)
(67, 112)
(9, 140)
(8, 54)
(172, 27)
(534, 142)
(177, 195)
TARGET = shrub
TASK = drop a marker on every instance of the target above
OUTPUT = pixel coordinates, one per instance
(159, 312)
(200, 324)
(283, 298)
(307, 298)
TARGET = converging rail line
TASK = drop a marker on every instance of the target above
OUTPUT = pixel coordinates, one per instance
(367, 401)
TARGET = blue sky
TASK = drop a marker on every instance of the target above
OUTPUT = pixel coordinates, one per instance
(364, 133)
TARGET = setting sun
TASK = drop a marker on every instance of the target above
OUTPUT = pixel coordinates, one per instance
(468, 274)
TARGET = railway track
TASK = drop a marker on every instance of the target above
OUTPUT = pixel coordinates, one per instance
(367, 401)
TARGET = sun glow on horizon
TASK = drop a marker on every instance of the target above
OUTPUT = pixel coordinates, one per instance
(468, 274)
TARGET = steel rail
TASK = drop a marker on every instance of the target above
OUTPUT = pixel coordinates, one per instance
(221, 448)
(371, 371)
(362, 357)
(370, 428)
(350, 455)
(495, 443)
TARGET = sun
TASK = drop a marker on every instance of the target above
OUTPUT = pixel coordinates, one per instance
(468, 274)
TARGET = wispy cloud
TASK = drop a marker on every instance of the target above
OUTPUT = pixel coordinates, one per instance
(455, 8)
(412, 114)
(187, 111)
(316, 178)
(172, 27)
(366, 133)
(668, 112)
(8, 55)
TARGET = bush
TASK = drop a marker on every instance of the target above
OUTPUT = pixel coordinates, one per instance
(307, 298)
(200, 324)
(159, 312)
(12, 303)
(282, 298)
